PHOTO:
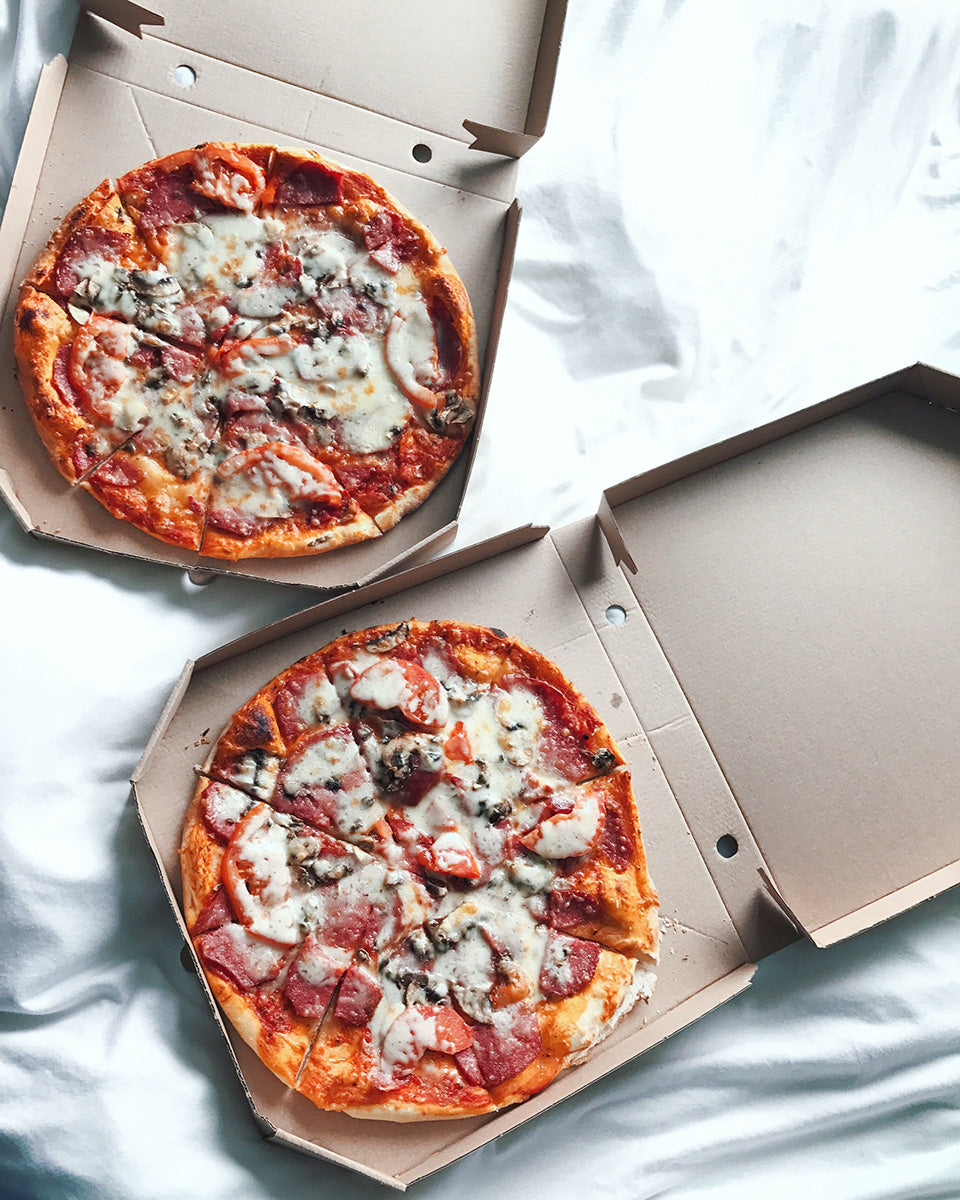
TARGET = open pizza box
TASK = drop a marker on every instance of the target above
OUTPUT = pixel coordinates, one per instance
(770, 629)
(436, 101)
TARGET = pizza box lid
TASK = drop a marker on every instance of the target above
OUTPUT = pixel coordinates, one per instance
(768, 629)
(795, 634)
(482, 73)
(119, 102)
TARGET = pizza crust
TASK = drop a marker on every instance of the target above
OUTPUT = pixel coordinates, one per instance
(162, 504)
(289, 538)
(41, 329)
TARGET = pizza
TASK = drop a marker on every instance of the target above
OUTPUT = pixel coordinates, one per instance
(413, 874)
(248, 351)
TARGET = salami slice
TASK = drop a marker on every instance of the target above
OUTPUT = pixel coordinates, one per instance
(503, 1049)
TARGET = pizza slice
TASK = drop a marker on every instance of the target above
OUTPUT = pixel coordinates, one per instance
(387, 1045)
(98, 262)
(275, 501)
(205, 183)
(603, 889)
(276, 916)
(160, 479)
(93, 386)
(248, 754)
(479, 1008)
(584, 991)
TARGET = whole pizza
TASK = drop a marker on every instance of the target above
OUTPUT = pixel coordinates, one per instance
(414, 876)
(248, 351)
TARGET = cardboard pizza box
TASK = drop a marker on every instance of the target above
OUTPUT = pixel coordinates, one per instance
(769, 628)
(436, 101)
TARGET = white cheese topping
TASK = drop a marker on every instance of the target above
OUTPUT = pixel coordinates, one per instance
(269, 485)
(572, 833)
(222, 252)
(410, 1035)
(411, 350)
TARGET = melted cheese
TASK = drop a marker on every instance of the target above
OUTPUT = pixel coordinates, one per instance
(567, 835)
(222, 252)
(411, 348)
(270, 486)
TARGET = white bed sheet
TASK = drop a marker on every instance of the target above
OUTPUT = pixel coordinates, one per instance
(737, 209)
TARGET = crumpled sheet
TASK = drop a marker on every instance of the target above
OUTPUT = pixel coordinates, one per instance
(737, 209)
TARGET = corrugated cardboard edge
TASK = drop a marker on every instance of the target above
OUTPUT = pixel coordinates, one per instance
(499, 141)
(297, 1143)
(914, 379)
(684, 1014)
(504, 275)
(515, 143)
(26, 175)
(511, 143)
(545, 71)
(163, 721)
(877, 911)
(24, 519)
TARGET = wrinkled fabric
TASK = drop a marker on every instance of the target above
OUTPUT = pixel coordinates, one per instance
(737, 209)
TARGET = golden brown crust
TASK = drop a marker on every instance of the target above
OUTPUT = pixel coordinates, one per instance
(101, 211)
(569, 1026)
(201, 859)
(267, 1023)
(41, 329)
(293, 536)
(339, 1075)
(135, 485)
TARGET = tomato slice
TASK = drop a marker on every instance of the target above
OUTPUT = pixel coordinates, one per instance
(247, 889)
(233, 357)
(390, 683)
(96, 367)
(421, 1028)
(449, 854)
(281, 467)
(411, 353)
(457, 746)
(223, 174)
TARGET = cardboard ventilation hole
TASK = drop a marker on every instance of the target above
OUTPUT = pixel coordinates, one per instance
(769, 629)
(140, 84)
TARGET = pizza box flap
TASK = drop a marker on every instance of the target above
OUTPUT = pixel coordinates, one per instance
(480, 72)
(703, 959)
(795, 635)
(119, 102)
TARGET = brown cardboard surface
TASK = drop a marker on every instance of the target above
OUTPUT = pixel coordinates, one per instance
(676, 738)
(703, 961)
(464, 196)
(802, 596)
(434, 65)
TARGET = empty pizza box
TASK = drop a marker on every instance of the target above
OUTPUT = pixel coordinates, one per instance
(770, 630)
(437, 101)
